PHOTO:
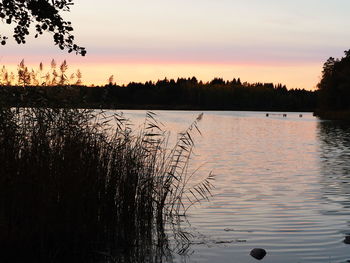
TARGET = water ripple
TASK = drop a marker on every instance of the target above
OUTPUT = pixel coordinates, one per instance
(281, 183)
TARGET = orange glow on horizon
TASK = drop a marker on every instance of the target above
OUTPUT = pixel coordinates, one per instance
(97, 73)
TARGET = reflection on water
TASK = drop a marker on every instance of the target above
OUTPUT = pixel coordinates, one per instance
(335, 167)
(335, 149)
(281, 184)
(140, 248)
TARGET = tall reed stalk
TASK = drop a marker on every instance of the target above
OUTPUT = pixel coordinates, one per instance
(80, 182)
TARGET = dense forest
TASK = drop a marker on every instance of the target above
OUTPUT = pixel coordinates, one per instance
(334, 88)
(55, 89)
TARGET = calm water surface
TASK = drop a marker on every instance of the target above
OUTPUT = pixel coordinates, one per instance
(282, 184)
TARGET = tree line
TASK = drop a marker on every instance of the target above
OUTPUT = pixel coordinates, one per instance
(56, 88)
(334, 87)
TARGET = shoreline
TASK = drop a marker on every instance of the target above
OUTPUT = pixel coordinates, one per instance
(343, 115)
(157, 107)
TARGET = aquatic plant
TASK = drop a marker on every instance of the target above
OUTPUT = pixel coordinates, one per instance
(77, 182)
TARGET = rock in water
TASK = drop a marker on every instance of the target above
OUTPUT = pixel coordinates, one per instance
(347, 240)
(258, 253)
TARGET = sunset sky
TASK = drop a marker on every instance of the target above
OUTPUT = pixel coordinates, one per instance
(256, 40)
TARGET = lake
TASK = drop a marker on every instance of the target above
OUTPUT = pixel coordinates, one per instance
(282, 184)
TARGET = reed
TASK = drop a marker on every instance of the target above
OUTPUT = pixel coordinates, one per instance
(79, 183)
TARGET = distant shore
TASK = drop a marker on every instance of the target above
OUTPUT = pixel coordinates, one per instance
(343, 115)
(197, 108)
(182, 94)
(151, 107)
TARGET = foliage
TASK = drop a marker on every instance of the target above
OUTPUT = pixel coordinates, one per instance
(56, 88)
(334, 87)
(45, 15)
(79, 182)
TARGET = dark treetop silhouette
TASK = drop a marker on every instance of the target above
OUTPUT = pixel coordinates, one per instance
(54, 87)
(334, 88)
(45, 15)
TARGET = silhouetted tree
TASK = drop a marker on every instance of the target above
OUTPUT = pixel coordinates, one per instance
(193, 80)
(45, 15)
(217, 81)
(334, 87)
(184, 93)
